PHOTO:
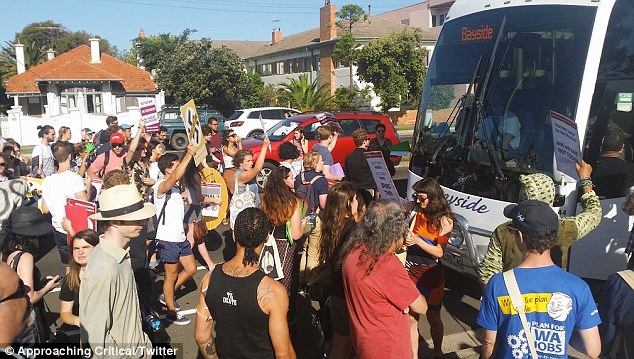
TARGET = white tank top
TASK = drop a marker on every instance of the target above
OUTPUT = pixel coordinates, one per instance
(228, 160)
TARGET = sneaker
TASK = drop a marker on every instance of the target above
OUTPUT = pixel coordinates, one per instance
(177, 319)
(161, 299)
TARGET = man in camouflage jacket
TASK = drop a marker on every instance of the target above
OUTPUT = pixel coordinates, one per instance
(503, 253)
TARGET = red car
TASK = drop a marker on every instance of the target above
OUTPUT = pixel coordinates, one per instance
(349, 121)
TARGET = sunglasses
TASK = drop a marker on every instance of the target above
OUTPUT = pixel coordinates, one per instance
(421, 197)
(234, 135)
(3, 164)
(116, 145)
(19, 293)
(380, 131)
(213, 124)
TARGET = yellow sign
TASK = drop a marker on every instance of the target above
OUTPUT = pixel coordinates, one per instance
(194, 132)
(210, 175)
(534, 302)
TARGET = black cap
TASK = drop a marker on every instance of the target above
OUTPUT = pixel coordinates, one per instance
(532, 216)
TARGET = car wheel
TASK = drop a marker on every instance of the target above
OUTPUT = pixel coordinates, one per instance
(256, 134)
(179, 141)
(266, 170)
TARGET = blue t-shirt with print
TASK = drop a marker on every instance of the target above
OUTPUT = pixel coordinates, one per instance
(557, 303)
(325, 154)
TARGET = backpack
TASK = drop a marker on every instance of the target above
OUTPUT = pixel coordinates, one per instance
(307, 191)
(106, 160)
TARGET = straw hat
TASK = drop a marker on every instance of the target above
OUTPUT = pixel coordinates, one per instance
(123, 203)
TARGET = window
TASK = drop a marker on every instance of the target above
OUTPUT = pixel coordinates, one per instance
(438, 19)
(279, 68)
(273, 114)
(348, 126)
(254, 114)
(405, 22)
(369, 125)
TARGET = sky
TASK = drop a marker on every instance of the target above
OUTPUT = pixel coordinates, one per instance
(119, 21)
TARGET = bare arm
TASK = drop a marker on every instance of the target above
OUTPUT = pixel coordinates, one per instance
(419, 306)
(304, 143)
(273, 300)
(591, 341)
(204, 324)
(322, 200)
(329, 175)
(135, 142)
(25, 272)
(297, 222)
(178, 172)
(488, 343)
(247, 176)
(66, 313)
(45, 209)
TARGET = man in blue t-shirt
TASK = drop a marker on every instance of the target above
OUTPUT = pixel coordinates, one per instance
(556, 302)
(327, 138)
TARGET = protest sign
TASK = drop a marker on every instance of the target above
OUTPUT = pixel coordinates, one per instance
(147, 106)
(382, 178)
(194, 132)
(566, 144)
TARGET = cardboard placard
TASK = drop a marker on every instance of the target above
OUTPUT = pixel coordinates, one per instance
(381, 175)
(213, 190)
(566, 144)
(194, 132)
(77, 212)
(147, 106)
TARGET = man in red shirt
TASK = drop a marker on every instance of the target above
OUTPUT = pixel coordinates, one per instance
(378, 290)
(114, 158)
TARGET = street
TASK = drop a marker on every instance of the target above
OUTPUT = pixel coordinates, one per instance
(459, 313)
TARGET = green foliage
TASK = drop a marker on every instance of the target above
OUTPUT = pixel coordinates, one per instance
(49, 34)
(347, 98)
(304, 96)
(212, 76)
(349, 15)
(441, 96)
(346, 51)
(395, 65)
(256, 86)
(268, 97)
(155, 48)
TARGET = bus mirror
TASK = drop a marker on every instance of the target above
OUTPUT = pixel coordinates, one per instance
(559, 200)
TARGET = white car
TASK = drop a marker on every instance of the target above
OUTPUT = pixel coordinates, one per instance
(246, 122)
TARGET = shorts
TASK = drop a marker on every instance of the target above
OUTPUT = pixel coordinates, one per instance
(61, 241)
(170, 252)
(339, 318)
(429, 281)
(193, 214)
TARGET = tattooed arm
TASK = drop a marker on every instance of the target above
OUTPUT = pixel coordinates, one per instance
(204, 324)
(273, 299)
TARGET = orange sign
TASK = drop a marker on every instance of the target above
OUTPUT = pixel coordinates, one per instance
(482, 33)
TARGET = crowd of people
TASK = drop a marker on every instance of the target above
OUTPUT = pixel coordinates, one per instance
(374, 263)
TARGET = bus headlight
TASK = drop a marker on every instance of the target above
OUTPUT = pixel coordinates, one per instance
(456, 236)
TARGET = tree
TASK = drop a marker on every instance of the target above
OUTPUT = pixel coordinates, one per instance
(268, 97)
(347, 98)
(155, 48)
(346, 49)
(349, 15)
(305, 96)
(256, 87)
(212, 76)
(49, 34)
(395, 65)
(441, 97)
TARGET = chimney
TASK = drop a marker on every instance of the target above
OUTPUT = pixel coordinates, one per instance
(95, 57)
(19, 58)
(327, 22)
(276, 36)
(50, 54)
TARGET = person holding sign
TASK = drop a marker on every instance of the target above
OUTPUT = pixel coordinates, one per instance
(247, 170)
(356, 166)
(426, 243)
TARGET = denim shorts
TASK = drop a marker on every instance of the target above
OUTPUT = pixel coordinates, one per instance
(170, 252)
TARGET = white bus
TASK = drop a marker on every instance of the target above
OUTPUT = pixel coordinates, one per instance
(497, 59)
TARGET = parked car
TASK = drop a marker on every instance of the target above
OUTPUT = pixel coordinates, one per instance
(309, 122)
(246, 122)
(170, 117)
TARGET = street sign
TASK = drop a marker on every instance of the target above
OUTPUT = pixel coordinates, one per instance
(194, 132)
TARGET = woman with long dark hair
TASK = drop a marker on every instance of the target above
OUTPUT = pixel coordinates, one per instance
(432, 221)
(340, 213)
(81, 246)
(231, 144)
(284, 209)
(21, 232)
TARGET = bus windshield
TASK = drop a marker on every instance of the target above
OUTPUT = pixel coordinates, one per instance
(494, 81)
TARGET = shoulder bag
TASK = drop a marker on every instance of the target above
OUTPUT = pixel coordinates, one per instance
(518, 305)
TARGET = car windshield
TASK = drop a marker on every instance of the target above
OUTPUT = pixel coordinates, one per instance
(281, 129)
(235, 115)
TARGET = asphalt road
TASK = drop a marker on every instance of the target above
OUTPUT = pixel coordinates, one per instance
(461, 300)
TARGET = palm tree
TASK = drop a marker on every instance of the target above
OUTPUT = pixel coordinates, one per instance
(33, 55)
(305, 96)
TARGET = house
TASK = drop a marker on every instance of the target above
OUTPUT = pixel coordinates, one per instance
(428, 15)
(309, 52)
(81, 78)
(78, 89)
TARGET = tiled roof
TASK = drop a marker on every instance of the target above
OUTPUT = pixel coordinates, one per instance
(75, 65)
(375, 27)
(244, 49)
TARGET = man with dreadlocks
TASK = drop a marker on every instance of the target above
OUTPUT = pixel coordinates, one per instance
(247, 307)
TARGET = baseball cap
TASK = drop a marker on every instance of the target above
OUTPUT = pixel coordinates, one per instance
(531, 216)
(117, 138)
(125, 126)
(87, 130)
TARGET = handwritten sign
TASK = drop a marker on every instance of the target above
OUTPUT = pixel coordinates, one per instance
(194, 132)
(381, 175)
(147, 105)
(566, 143)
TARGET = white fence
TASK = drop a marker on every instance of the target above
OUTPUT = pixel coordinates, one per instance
(24, 128)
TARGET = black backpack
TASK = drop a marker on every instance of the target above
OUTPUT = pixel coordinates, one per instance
(307, 191)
